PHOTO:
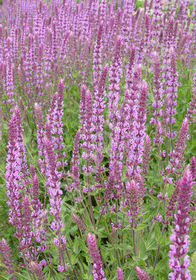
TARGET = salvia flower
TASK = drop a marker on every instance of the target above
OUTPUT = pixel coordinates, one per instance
(5, 253)
(86, 134)
(98, 122)
(55, 192)
(37, 213)
(138, 134)
(179, 260)
(37, 270)
(13, 171)
(55, 118)
(120, 274)
(172, 88)
(27, 234)
(146, 156)
(193, 167)
(191, 109)
(132, 189)
(177, 155)
(97, 58)
(79, 222)
(141, 274)
(157, 102)
(98, 271)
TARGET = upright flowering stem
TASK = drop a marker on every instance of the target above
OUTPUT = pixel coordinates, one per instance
(192, 106)
(132, 190)
(55, 193)
(177, 155)
(146, 157)
(20, 139)
(40, 136)
(5, 253)
(157, 102)
(98, 271)
(37, 216)
(138, 134)
(55, 118)
(16, 181)
(87, 137)
(114, 114)
(26, 231)
(172, 95)
(141, 274)
(120, 274)
(12, 172)
(97, 58)
(75, 164)
(98, 122)
(179, 260)
(37, 270)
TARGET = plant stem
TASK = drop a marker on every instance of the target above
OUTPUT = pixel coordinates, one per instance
(134, 243)
(158, 249)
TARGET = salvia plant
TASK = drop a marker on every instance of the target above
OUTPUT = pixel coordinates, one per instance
(97, 139)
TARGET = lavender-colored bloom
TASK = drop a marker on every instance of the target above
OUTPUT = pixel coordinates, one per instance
(26, 236)
(12, 173)
(141, 274)
(98, 122)
(180, 237)
(55, 118)
(138, 134)
(146, 155)
(129, 72)
(172, 91)
(97, 58)
(37, 213)
(132, 190)
(87, 129)
(98, 271)
(193, 167)
(114, 87)
(54, 186)
(10, 80)
(120, 274)
(79, 222)
(157, 14)
(5, 253)
(54, 191)
(20, 140)
(177, 155)
(16, 179)
(192, 106)
(37, 270)
(126, 26)
(157, 102)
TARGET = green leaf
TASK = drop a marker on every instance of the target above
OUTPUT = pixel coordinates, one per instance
(142, 250)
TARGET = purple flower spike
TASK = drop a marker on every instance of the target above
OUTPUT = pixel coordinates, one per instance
(146, 156)
(79, 222)
(5, 252)
(141, 274)
(179, 260)
(133, 198)
(98, 271)
(120, 275)
(37, 270)
(193, 167)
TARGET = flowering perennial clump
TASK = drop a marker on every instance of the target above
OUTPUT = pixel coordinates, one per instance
(97, 146)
